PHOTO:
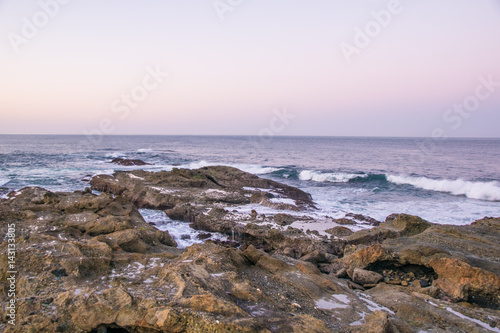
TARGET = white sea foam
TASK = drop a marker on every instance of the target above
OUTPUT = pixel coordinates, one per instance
(475, 190)
(115, 155)
(327, 177)
(177, 229)
(283, 200)
(145, 150)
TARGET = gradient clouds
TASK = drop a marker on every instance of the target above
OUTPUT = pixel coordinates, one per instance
(226, 76)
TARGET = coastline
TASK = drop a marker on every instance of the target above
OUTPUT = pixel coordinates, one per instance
(99, 264)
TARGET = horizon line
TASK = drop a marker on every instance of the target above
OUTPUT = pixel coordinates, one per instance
(268, 137)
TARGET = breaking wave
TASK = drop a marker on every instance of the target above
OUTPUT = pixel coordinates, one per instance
(475, 190)
(317, 176)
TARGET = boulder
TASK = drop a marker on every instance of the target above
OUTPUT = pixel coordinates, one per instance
(339, 231)
(284, 219)
(364, 277)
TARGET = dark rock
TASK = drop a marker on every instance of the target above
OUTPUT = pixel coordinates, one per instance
(59, 272)
(3, 190)
(204, 235)
(165, 190)
(363, 218)
(184, 237)
(129, 162)
(423, 283)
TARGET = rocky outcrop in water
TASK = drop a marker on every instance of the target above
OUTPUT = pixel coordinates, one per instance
(208, 185)
(90, 263)
(128, 162)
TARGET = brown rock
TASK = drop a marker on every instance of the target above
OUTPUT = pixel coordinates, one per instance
(284, 219)
(339, 231)
(463, 282)
(377, 322)
(363, 277)
(407, 225)
(314, 257)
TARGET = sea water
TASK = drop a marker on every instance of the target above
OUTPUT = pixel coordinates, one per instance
(450, 181)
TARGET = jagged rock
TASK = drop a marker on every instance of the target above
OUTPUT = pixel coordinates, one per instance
(91, 263)
(463, 282)
(462, 261)
(164, 190)
(363, 218)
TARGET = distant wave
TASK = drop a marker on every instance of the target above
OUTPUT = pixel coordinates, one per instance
(145, 150)
(328, 177)
(115, 155)
(250, 168)
(475, 190)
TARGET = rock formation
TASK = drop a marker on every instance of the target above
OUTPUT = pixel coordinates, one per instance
(90, 263)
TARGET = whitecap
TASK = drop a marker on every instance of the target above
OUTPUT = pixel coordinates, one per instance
(115, 155)
(327, 177)
(489, 191)
(182, 233)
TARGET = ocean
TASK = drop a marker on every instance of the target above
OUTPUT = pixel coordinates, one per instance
(450, 181)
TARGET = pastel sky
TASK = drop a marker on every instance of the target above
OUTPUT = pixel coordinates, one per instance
(68, 67)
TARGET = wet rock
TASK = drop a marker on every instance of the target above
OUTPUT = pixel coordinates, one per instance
(363, 218)
(128, 162)
(204, 235)
(182, 212)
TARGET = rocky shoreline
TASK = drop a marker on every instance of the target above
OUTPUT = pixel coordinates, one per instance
(89, 262)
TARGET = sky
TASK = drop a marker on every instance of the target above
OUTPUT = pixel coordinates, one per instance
(250, 67)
